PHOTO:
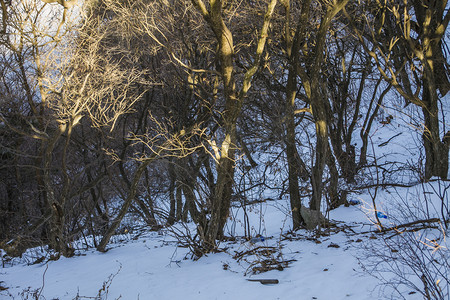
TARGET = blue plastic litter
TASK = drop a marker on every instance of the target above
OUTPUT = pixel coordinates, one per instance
(257, 239)
(354, 202)
(381, 215)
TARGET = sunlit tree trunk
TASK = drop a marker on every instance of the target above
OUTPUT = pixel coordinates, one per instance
(233, 104)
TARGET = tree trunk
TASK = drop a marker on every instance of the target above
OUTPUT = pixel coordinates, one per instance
(179, 203)
(334, 199)
(57, 222)
(189, 173)
(292, 154)
(296, 166)
(126, 205)
(172, 190)
(233, 102)
(318, 106)
(321, 152)
(432, 21)
(436, 151)
(190, 204)
(222, 197)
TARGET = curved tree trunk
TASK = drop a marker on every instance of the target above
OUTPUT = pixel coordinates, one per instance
(126, 205)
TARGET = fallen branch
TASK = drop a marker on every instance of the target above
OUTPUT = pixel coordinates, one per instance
(239, 255)
(427, 221)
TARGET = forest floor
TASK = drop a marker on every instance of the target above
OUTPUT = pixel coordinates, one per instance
(151, 265)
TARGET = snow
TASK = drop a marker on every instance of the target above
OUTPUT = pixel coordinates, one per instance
(151, 266)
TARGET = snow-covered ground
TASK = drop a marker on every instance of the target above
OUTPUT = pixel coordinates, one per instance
(151, 266)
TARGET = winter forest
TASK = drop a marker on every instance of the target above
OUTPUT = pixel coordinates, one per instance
(240, 134)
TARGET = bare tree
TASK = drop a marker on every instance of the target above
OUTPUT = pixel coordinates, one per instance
(405, 40)
(214, 17)
(62, 75)
(306, 53)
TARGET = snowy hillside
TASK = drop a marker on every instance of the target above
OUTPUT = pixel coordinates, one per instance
(149, 265)
(224, 150)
